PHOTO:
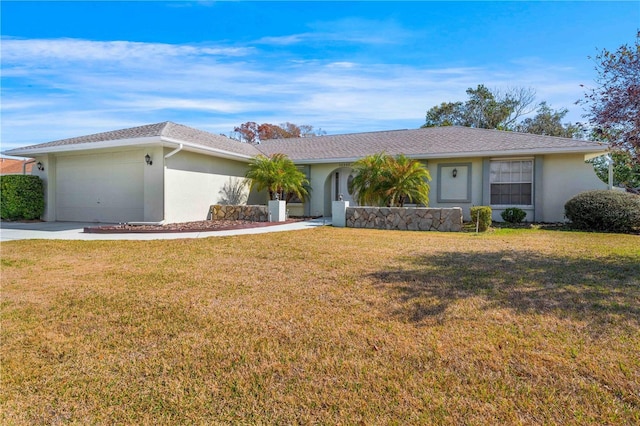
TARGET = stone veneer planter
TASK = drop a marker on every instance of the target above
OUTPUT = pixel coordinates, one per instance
(405, 218)
(226, 212)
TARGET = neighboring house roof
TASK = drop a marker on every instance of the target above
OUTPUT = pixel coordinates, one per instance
(10, 166)
(166, 132)
(432, 142)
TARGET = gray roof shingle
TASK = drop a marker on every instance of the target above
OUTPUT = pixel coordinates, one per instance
(167, 130)
(432, 142)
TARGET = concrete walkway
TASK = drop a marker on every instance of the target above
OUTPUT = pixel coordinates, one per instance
(11, 231)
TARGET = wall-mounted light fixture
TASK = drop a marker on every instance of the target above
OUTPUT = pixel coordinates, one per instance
(147, 159)
(40, 166)
(454, 173)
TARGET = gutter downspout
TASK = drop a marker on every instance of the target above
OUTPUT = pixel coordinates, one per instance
(175, 151)
(24, 165)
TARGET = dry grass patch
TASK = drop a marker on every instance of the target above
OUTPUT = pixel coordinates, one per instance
(336, 326)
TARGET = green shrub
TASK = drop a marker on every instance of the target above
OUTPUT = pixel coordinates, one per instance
(484, 215)
(513, 215)
(602, 210)
(21, 197)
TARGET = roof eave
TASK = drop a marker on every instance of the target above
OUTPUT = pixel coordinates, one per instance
(209, 150)
(120, 143)
(87, 146)
(592, 151)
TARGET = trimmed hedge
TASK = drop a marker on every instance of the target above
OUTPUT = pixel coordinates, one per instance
(21, 197)
(604, 210)
(513, 215)
(484, 213)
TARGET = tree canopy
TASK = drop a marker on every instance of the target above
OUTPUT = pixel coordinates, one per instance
(502, 110)
(614, 104)
(549, 122)
(252, 132)
(484, 109)
(383, 180)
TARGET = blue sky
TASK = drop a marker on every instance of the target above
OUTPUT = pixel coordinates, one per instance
(75, 68)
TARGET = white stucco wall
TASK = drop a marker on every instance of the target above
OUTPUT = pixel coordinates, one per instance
(441, 186)
(320, 201)
(154, 185)
(193, 182)
(563, 177)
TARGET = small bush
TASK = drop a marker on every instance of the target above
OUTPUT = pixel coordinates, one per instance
(484, 213)
(513, 215)
(603, 210)
(21, 197)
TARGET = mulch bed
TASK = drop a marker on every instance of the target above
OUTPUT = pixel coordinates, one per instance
(198, 226)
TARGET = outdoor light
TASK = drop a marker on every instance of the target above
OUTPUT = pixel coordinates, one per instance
(40, 166)
(147, 158)
(455, 172)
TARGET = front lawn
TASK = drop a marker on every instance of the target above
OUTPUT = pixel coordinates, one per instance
(329, 326)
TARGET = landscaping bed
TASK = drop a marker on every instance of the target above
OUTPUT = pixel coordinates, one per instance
(196, 226)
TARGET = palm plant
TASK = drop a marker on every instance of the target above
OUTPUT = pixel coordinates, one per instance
(279, 176)
(407, 182)
(369, 179)
(382, 180)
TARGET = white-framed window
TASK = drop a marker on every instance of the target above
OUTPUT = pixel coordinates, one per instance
(511, 182)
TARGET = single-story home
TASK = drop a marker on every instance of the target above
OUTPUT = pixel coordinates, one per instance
(167, 172)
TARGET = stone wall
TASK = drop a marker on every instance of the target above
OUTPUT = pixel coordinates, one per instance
(252, 213)
(405, 218)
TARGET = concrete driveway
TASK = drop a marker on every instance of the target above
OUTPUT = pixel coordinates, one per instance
(11, 231)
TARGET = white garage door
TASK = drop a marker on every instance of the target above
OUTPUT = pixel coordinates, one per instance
(100, 187)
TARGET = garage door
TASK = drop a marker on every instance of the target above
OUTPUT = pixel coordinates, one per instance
(100, 187)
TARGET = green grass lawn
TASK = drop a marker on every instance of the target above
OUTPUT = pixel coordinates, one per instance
(329, 326)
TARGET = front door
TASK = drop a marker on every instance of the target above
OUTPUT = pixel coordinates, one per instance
(340, 181)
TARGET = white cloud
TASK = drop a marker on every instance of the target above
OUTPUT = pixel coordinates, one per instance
(69, 49)
(348, 30)
(68, 87)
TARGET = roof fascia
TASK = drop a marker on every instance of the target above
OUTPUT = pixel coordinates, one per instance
(120, 143)
(592, 151)
(85, 146)
(208, 150)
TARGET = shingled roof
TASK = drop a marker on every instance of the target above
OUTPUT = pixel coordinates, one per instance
(166, 131)
(432, 142)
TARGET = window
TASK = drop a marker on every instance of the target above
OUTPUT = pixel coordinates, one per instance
(512, 182)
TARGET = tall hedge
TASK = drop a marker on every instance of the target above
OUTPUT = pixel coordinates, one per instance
(21, 197)
(603, 210)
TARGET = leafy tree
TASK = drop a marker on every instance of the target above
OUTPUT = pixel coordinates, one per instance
(382, 180)
(446, 114)
(278, 175)
(626, 172)
(252, 132)
(549, 122)
(614, 105)
(247, 132)
(484, 109)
